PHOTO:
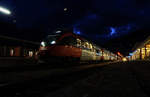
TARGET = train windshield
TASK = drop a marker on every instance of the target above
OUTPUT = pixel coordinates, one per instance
(50, 40)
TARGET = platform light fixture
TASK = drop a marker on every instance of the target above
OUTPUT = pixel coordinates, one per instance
(5, 10)
(58, 31)
(43, 43)
(53, 42)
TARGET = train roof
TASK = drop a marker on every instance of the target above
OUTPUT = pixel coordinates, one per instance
(80, 37)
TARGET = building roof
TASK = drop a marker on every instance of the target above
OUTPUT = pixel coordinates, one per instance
(141, 44)
(5, 40)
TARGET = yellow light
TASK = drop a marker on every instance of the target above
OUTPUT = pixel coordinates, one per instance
(124, 59)
(30, 53)
(11, 52)
(65, 9)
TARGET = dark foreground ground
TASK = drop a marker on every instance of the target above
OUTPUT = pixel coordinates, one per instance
(123, 79)
(119, 79)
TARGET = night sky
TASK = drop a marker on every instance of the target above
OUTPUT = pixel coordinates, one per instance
(114, 24)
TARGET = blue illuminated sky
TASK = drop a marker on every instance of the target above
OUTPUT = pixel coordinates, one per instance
(85, 14)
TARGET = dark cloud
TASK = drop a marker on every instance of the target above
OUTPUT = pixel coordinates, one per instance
(114, 12)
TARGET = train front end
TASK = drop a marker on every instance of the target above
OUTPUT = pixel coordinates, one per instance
(47, 45)
(61, 48)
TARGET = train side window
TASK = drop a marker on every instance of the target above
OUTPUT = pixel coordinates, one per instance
(83, 44)
(78, 43)
(86, 45)
(94, 50)
(91, 47)
(68, 41)
(97, 52)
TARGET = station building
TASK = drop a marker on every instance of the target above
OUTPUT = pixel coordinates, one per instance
(13, 47)
(141, 51)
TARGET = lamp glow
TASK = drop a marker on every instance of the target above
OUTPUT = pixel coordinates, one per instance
(53, 42)
(43, 44)
(58, 31)
(124, 59)
(4, 10)
(65, 9)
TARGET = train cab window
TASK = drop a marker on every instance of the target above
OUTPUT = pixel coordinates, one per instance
(68, 41)
(49, 40)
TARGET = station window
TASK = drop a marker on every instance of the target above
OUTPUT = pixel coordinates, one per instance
(30, 53)
(11, 52)
(36, 53)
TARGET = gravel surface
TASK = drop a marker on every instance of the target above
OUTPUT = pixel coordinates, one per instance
(116, 80)
(122, 79)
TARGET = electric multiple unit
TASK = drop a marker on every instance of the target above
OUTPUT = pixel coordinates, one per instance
(69, 47)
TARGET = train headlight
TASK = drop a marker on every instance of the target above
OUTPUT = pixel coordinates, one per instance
(43, 43)
(53, 42)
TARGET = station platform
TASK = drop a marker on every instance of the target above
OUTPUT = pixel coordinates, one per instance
(16, 61)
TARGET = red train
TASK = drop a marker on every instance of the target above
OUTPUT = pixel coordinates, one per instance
(69, 47)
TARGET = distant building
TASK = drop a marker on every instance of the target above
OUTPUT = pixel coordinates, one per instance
(141, 51)
(13, 47)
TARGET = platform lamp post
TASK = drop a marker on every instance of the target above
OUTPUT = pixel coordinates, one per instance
(6, 12)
